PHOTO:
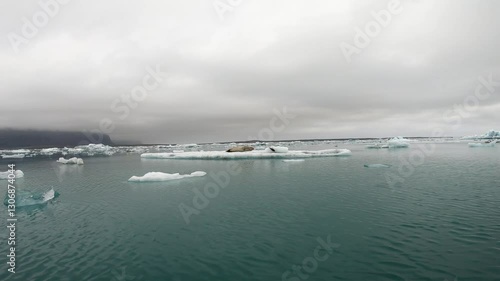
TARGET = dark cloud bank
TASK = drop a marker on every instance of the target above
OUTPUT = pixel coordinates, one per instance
(221, 80)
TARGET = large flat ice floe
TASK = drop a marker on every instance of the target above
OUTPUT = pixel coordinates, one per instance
(259, 154)
(482, 144)
(158, 176)
(13, 156)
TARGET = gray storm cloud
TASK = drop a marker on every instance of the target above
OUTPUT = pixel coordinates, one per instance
(227, 66)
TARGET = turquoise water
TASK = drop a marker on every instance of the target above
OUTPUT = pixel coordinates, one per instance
(442, 222)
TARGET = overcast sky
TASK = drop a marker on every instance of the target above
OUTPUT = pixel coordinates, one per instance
(224, 76)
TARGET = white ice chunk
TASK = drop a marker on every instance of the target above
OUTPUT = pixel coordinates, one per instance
(158, 176)
(74, 160)
(49, 151)
(5, 175)
(482, 144)
(398, 142)
(293, 160)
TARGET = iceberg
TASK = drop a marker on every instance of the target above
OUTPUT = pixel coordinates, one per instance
(74, 160)
(398, 142)
(256, 154)
(492, 134)
(27, 198)
(377, 166)
(13, 156)
(5, 175)
(158, 176)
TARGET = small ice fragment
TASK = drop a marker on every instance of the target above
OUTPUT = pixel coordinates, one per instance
(377, 166)
(159, 176)
(74, 160)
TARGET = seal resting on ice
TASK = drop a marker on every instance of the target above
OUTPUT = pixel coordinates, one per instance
(240, 149)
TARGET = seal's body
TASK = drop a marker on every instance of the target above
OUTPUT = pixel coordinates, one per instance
(240, 149)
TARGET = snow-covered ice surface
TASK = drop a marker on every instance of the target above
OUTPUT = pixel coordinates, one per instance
(277, 149)
(5, 175)
(74, 160)
(260, 154)
(159, 176)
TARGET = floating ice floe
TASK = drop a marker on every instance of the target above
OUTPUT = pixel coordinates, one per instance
(13, 156)
(74, 160)
(158, 176)
(377, 166)
(293, 160)
(256, 154)
(377, 146)
(398, 142)
(482, 144)
(49, 151)
(28, 198)
(5, 175)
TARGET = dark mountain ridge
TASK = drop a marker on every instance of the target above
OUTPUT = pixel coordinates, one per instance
(11, 138)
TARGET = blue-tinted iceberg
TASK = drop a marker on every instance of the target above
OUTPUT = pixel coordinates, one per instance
(398, 142)
(492, 134)
(25, 198)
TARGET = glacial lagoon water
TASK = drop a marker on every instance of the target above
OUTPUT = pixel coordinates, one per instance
(441, 222)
